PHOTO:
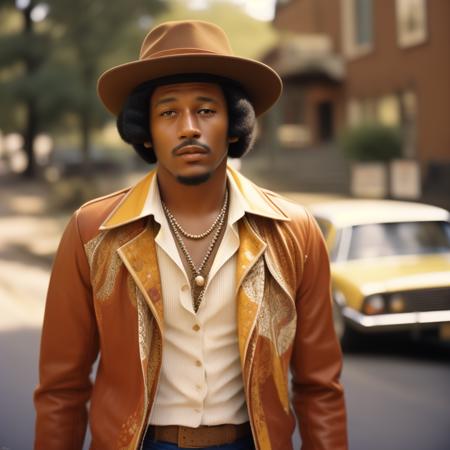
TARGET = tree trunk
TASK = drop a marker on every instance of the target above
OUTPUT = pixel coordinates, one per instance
(86, 114)
(29, 135)
(31, 113)
(85, 124)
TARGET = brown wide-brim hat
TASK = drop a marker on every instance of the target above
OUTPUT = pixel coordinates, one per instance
(186, 47)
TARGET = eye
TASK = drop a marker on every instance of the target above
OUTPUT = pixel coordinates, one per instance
(206, 111)
(168, 113)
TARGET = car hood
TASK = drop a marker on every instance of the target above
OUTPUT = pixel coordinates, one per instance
(395, 273)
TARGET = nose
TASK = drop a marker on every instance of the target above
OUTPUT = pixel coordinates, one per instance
(189, 128)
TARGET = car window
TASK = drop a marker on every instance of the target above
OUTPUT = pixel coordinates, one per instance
(332, 239)
(324, 226)
(335, 246)
(406, 238)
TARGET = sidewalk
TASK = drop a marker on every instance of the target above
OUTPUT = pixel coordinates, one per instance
(29, 237)
(28, 240)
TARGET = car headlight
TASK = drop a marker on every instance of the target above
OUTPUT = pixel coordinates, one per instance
(375, 304)
(397, 303)
(339, 297)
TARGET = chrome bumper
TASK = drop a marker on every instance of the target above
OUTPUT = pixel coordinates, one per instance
(395, 321)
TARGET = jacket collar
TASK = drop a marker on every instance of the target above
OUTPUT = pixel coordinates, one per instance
(131, 207)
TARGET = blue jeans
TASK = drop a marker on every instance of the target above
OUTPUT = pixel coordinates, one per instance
(241, 444)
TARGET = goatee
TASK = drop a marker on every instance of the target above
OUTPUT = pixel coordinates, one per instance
(194, 180)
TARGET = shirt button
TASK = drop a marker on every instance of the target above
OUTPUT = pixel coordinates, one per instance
(185, 287)
(197, 410)
(198, 363)
(198, 387)
(196, 327)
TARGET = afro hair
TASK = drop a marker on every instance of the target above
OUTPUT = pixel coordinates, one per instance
(133, 121)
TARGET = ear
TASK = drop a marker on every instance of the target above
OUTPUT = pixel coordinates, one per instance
(148, 144)
(232, 139)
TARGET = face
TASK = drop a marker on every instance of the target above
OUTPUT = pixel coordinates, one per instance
(189, 128)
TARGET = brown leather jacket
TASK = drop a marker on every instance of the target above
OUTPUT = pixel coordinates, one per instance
(105, 296)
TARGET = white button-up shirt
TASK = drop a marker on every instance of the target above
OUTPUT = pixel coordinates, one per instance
(201, 377)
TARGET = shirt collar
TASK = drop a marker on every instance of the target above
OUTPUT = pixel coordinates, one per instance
(143, 200)
(153, 207)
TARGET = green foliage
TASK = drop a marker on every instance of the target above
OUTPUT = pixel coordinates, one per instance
(18, 47)
(55, 64)
(94, 28)
(371, 142)
(89, 32)
(248, 37)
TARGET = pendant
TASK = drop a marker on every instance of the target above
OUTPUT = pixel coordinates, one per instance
(199, 280)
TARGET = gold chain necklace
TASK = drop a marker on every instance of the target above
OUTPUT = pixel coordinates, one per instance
(201, 235)
(198, 278)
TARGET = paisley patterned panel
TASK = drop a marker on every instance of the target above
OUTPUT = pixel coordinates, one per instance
(250, 286)
(104, 261)
(253, 283)
(91, 247)
(145, 323)
(277, 318)
(139, 256)
(128, 431)
(277, 322)
(261, 373)
(267, 297)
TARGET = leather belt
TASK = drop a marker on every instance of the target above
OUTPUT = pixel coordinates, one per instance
(203, 436)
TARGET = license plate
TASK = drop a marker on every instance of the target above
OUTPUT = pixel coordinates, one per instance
(444, 331)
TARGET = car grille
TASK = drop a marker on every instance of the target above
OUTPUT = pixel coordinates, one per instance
(427, 300)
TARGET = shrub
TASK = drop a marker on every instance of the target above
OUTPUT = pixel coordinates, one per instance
(371, 142)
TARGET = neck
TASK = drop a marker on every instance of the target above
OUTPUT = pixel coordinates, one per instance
(193, 200)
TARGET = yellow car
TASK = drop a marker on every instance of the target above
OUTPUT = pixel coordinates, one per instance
(390, 264)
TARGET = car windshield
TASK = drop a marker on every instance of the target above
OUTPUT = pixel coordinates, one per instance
(406, 238)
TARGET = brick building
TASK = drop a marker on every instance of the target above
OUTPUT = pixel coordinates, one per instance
(348, 61)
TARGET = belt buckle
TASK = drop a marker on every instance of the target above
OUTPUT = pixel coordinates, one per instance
(185, 437)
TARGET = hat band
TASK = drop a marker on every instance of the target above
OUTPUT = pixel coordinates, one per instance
(177, 51)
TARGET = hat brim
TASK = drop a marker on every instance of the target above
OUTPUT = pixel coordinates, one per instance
(261, 83)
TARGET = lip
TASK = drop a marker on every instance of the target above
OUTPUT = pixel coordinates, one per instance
(190, 150)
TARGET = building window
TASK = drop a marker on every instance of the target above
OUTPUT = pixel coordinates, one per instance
(363, 22)
(409, 111)
(411, 22)
(357, 21)
(388, 111)
(361, 111)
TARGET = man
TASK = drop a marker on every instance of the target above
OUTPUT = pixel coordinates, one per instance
(197, 288)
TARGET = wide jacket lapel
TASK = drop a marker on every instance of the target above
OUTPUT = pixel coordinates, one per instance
(139, 257)
(139, 253)
(250, 283)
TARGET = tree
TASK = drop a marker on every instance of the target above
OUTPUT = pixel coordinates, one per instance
(91, 31)
(49, 72)
(26, 50)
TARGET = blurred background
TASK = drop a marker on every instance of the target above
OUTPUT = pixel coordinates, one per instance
(364, 114)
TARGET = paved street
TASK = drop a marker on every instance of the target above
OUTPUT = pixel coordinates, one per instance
(397, 391)
(27, 243)
(398, 396)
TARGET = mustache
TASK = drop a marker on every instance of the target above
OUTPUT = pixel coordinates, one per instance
(188, 143)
